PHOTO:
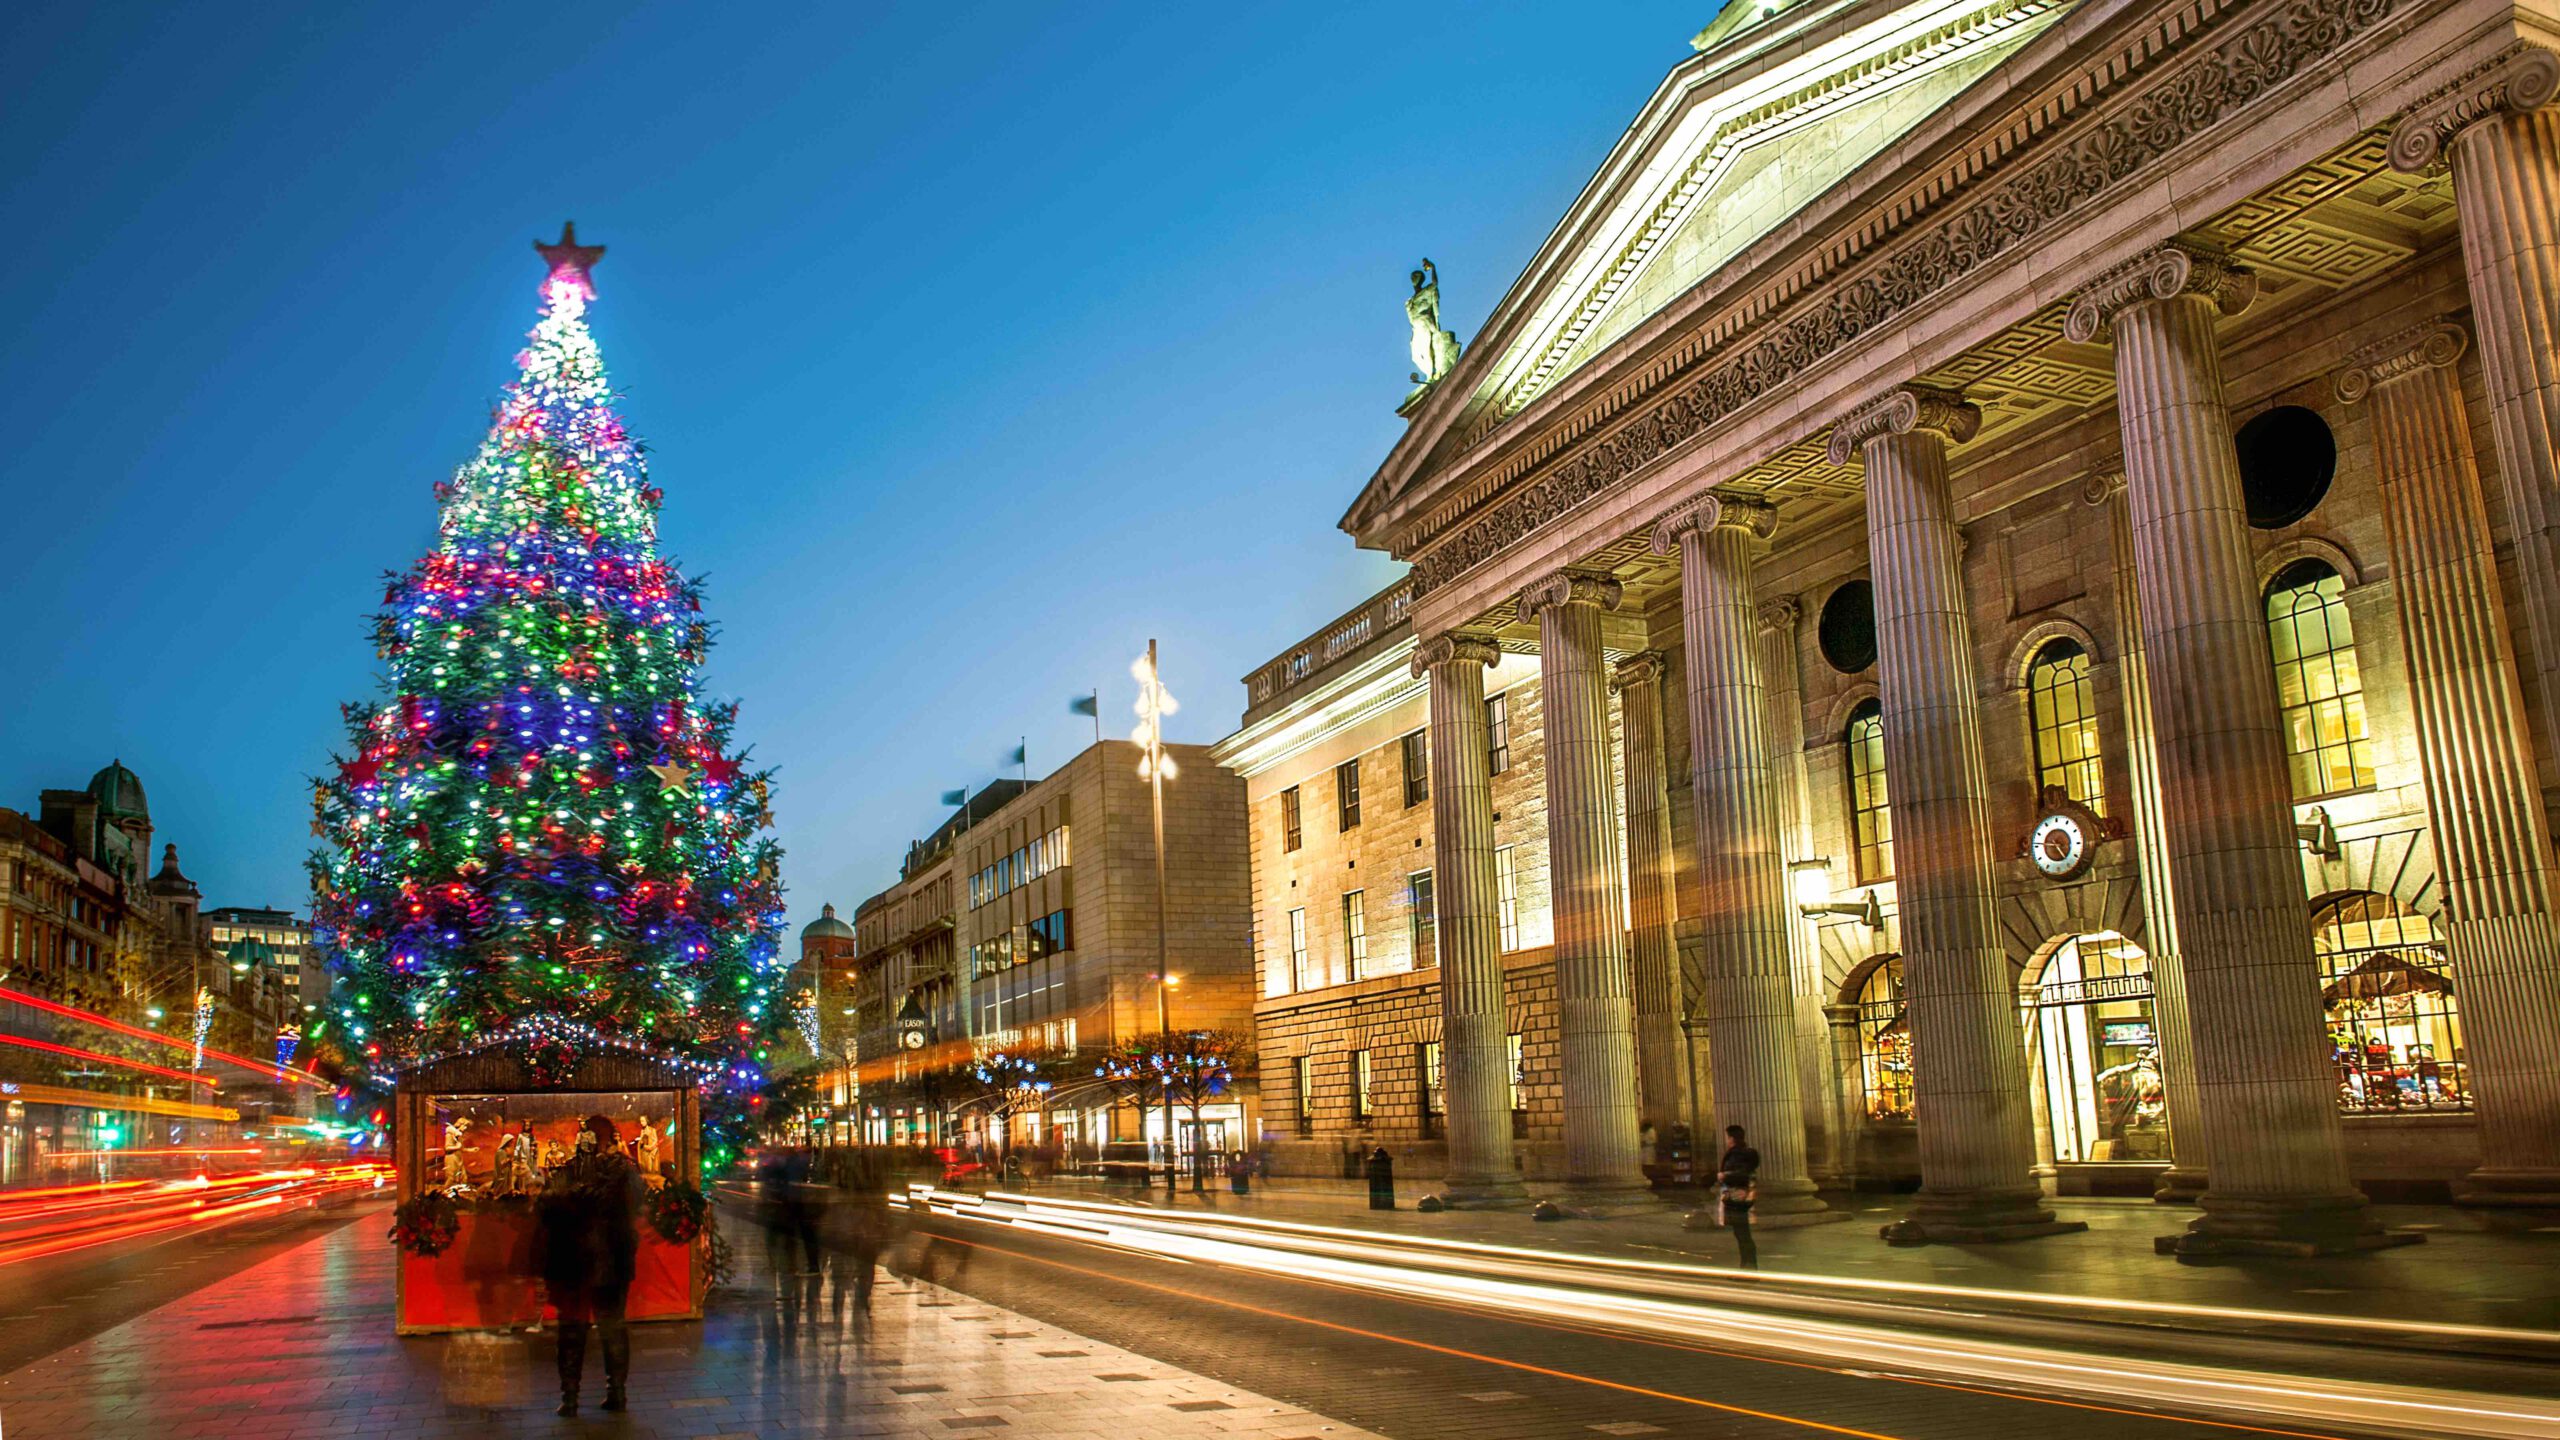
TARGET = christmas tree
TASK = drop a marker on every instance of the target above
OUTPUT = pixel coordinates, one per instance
(541, 835)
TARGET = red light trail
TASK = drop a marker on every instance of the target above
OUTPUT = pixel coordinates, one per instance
(91, 1017)
(76, 1053)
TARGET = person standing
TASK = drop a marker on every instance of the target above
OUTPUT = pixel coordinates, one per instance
(1737, 1186)
(589, 1220)
(1381, 1168)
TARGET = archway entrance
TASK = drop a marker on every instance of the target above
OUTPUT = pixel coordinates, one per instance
(2094, 1046)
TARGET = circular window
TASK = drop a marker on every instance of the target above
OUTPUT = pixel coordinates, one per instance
(2286, 458)
(1848, 628)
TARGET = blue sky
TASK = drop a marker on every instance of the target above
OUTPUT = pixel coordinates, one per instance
(973, 345)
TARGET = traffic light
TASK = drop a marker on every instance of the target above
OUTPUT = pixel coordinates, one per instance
(109, 1137)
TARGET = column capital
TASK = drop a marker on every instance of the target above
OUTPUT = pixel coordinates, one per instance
(1709, 512)
(1779, 612)
(1645, 667)
(1570, 587)
(1901, 411)
(1457, 647)
(2430, 346)
(2103, 486)
(2520, 77)
(2164, 272)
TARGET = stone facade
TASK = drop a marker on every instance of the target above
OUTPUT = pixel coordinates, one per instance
(2148, 457)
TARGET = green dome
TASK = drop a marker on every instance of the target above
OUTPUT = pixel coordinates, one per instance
(826, 926)
(118, 792)
(249, 951)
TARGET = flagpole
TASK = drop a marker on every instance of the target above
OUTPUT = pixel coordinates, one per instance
(1097, 714)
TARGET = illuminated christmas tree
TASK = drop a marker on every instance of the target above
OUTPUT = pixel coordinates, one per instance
(541, 835)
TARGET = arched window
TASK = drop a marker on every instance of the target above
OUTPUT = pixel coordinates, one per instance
(2394, 1031)
(2062, 708)
(1884, 1043)
(1870, 816)
(2319, 691)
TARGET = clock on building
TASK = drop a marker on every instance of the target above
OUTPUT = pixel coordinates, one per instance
(2066, 836)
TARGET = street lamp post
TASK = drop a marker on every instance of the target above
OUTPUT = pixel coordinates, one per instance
(1153, 705)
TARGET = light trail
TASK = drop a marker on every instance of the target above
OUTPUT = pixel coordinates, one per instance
(108, 1100)
(128, 1211)
(76, 1053)
(1568, 1291)
(91, 1017)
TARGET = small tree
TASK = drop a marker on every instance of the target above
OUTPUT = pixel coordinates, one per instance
(1008, 1083)
(1125, 1068)
(1193, 1067)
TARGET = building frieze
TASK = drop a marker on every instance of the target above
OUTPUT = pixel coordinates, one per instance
(2021, 190)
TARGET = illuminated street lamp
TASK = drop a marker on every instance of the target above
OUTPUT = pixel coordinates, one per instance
(1154, 766)
(1813, 896)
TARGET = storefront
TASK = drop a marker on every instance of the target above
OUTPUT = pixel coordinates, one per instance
(2094, 1049)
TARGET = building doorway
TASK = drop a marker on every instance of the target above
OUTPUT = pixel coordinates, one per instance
(2095, 1045)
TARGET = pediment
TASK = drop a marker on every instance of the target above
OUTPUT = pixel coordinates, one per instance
(1737, 141)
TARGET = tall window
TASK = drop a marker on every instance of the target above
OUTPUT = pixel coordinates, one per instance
(1303, 1072)
(1417, 769)
(1870, 816)
(1426, 924)
(1360, 1095)
(1355, 933)
(1292, 835)
(2395, 1032)
(1506, 891)
(1497, 733)
(1298, 977)
(2063, 709)
(1426, 1064)
(1346, 791)
(1884, 1043)
(1515, 1066)
(2318, 688)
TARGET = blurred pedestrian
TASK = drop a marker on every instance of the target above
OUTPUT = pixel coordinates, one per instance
(1381, 1169)
(1737, 1188)
(858, 1226)
(588, 1221)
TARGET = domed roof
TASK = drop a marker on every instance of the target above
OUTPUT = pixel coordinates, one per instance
(249, 950)
(171, 880)
(118, 792)
(826, 926)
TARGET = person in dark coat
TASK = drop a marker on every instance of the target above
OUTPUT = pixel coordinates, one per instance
(1737, 1188)
(1381, 1170)
(589, 1246)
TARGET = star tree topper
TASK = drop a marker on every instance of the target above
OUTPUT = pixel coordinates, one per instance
(570, 260)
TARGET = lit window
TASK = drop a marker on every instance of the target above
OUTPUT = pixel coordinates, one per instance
(2062, 708)
(1291, 836)
(1417, 769)
(1355, 934)
(1346, 792)
(2319, 691)
(1426, 925)
(2395, 1033)
(1427, 1066)
(1304, 1073)
(1870, 814)
(1298, 949)
(1360, 1084)
(1497, 734)
(1506, 890)
(1516, 1067)
(1884, 1043)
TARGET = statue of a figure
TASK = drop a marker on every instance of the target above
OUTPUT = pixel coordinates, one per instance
(649, 1154)
(1435, 350)
(457, 1175)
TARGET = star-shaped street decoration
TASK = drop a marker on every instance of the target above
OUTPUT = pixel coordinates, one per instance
(360, 771)
(673, 777)
(570, 260)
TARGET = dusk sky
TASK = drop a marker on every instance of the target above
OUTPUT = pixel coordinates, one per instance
(973, 346)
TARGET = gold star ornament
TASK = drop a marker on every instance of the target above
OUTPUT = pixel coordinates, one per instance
(673, 778)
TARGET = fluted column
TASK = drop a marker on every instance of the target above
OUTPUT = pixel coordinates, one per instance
(1652, 970)
(1781, 671)
(2279, 1178)
(1849, 1098)
(1977, 1141)
(1475, 1055)
(2184, 1180)
(1746, 993)
(2484, 796)
(2492, 126)
(1587, 880)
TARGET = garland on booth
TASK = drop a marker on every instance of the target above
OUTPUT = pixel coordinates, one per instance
(541, 816)
(426, 1223)
(678, 1212)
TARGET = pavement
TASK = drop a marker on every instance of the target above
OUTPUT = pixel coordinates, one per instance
(300, 1347)
(2476, 1267)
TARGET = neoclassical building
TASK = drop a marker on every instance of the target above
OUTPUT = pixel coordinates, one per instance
(2030, 533)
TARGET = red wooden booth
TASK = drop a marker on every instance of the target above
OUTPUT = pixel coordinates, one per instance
(448, 1120)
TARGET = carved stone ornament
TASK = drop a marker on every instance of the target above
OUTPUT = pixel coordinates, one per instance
(1994, 207)
(2102, 486)
(1707, 512)
(1780, 612)
(2431, 346)
(1570, 587)
(1458, 647)
(2523, 77)
(1901, 411)
(2166, 273)
(1645, 667)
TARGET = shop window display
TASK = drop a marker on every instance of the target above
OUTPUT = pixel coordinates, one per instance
(2095, 1041)
(1884, 1043)
(2395, 1029)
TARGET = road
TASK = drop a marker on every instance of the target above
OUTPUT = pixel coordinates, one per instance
(1397, 1352)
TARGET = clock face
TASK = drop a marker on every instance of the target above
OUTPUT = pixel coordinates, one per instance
(2059, 846)
(912, 1039)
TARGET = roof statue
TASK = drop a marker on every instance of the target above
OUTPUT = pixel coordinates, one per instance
(1435, 350)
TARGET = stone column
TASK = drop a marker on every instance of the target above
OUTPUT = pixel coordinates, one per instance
(2493, 845)
(1475, 1054)
(1746, 993)
(1587, 880)
(2184, 1180)
(2279, 1179)
(1652, 970)
(1782, 673)
(2504, 147)
(1969, 1077)
(1849, 1109)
